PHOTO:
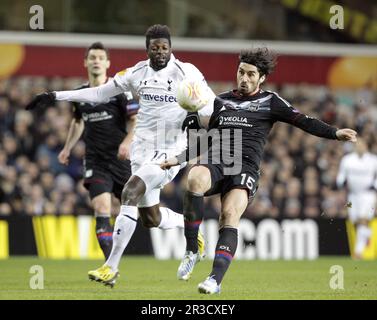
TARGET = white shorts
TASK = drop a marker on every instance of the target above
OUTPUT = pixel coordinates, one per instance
(145, 163)
(363, 205)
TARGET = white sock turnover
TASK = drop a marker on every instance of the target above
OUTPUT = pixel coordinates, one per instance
(170, 219)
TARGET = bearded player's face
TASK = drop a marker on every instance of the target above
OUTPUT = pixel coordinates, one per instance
(248, 79)
(159, 52)
(97, 62)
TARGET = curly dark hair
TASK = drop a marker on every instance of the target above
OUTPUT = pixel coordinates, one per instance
(95, 46)
(157, 31)
(262, 58)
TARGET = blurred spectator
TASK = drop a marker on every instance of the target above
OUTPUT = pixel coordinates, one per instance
(9, 143)
(47, 153)
(25, 142)
(6, 115)
(292, 208)
(35, 200)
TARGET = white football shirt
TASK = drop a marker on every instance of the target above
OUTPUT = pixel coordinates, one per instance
(160, 118)
(360, 172)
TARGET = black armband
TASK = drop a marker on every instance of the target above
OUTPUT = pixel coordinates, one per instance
(192, 121)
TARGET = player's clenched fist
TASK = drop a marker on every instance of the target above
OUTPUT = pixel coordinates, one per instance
(167, 164)
(346, 135)
(41, 100)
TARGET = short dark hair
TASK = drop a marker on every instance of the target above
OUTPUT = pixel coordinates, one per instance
(97, 46)
(262, 58)
(157, 31)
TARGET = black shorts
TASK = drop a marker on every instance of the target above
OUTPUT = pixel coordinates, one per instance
(101, 176)
(221, 184)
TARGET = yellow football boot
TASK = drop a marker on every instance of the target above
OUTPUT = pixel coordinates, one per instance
(104, 275)
(201, 246)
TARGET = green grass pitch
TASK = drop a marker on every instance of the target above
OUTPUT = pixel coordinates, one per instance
(145, 278)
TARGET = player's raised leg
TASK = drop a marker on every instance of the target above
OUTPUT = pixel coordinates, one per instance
(198, 182)
(234, 204)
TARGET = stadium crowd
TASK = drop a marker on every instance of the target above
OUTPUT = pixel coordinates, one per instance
(298, 171)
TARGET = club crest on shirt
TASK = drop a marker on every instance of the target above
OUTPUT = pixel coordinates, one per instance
(169, 84)
(254, 107)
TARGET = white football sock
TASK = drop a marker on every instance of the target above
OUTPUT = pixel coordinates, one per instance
(170, 219)
(362, 235)
(124, 228)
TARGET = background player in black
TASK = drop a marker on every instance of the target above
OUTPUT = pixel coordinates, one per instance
(251, 112)
(106, 164)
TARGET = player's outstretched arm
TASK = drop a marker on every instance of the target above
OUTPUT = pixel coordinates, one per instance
(346, 135)
(99, 94)
(283, 111)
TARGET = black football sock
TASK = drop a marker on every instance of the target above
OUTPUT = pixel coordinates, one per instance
(193, 210)
(225, 249)
(104, 232)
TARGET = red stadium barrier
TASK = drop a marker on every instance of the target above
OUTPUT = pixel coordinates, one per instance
(351, 72)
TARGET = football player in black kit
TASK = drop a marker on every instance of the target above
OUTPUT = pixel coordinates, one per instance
(250, 111)
(107, 130)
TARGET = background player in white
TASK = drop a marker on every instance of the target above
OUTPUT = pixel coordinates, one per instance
(358, 172)
(158, 136)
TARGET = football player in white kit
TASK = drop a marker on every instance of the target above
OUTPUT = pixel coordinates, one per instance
(158, 136)
(358, 171)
